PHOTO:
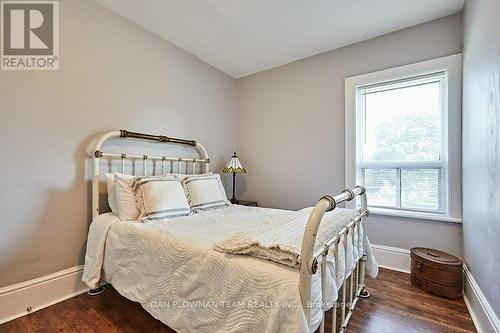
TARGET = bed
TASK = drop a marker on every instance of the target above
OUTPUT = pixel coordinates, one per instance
(172, 268)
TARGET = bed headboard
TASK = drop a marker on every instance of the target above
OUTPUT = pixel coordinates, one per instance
(98, 153)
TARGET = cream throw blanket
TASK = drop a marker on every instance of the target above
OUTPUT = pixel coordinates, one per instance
(280, 239)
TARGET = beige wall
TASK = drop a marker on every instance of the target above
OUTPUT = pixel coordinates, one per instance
(290, 127)
(481, 145)
(112, 75)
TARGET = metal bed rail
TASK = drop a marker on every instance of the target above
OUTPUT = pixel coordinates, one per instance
(353, 286)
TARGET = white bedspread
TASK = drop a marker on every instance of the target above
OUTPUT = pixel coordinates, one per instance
(170, 267)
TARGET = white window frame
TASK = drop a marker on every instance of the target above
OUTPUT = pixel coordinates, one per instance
(451, 134)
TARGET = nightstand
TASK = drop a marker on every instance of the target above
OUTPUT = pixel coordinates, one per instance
(247, 203)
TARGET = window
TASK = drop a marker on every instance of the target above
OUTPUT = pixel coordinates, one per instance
(402, 162)
(398, 124)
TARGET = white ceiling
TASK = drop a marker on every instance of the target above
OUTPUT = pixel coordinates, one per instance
(242, 37)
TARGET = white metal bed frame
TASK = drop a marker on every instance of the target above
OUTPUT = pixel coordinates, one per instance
(353, 286)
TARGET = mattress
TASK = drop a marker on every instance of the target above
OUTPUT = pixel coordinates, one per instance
(170, 267)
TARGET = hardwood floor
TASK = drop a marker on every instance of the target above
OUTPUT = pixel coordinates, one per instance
(394, 306)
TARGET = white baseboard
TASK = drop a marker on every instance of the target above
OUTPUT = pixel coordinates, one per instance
(482, 314)
(392, 258)
(40, 293)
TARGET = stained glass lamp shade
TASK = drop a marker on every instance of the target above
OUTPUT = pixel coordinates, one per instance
(234, 166)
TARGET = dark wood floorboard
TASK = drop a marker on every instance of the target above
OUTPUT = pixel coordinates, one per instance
(395, 306)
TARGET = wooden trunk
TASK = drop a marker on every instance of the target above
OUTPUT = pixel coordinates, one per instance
(436, 272)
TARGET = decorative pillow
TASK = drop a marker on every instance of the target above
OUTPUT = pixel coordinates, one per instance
(160, 197)
(205, 192)
(125, 198)
(110, 182)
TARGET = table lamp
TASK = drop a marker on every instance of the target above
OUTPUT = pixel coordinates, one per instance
(234, 166)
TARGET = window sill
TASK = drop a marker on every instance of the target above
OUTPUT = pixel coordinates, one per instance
(414, 215)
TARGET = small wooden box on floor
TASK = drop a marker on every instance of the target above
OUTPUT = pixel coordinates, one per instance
(436, 272)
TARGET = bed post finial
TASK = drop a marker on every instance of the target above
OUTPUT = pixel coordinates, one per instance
(331, 200)
(362, 189)
(123, 133)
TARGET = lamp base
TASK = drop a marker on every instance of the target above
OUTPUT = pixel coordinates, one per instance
(234, 201)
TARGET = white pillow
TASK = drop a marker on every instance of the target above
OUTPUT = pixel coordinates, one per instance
(160, 197)
(205, 192)
(110, 182)
(125, 198)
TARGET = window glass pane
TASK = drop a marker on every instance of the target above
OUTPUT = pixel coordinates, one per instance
(380, 187)
(403, 124)
(420, 189)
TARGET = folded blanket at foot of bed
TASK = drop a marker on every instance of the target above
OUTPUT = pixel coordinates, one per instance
(279, 239)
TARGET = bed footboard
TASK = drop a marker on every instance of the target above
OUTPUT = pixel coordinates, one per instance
(353, 286)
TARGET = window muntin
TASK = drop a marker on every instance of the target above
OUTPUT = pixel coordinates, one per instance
(402, 158)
